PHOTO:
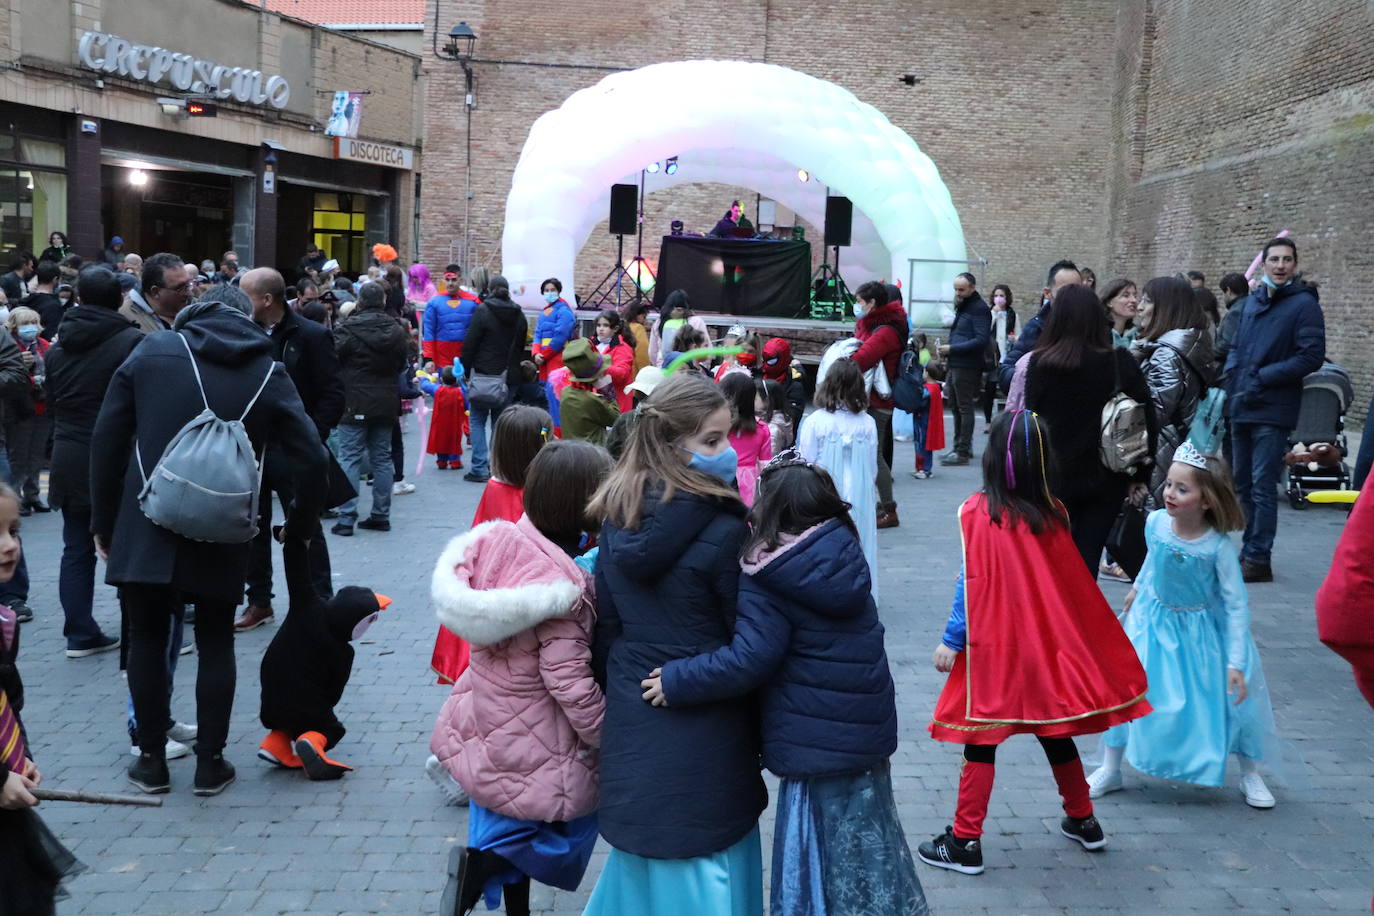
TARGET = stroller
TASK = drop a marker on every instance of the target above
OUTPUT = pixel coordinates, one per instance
(1326, 395)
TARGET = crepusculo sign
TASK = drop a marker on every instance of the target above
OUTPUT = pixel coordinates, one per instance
(112, 54)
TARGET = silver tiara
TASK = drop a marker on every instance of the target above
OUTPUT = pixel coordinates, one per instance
(1188, 454)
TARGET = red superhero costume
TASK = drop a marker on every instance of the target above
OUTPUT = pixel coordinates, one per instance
(1345, 602)
(449, 422)
(499, 500)
(1045, 654)
(935, 420)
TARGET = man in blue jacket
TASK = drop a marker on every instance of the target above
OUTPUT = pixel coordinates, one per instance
(966, 353)
(1062, 274)
(1282, 339)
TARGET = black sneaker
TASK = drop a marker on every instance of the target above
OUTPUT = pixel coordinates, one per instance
(100, 644)
(375, 523)
(213, 775)
(22, 612)
(475, 477)
(1256, 572)
(954, 459)
(342, 530)
(1085, 830)
(947, 851)
(149, 774)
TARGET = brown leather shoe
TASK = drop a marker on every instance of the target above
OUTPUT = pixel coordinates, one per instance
(887, 516)
(253, 617)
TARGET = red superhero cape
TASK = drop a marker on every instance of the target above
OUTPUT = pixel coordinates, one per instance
(935, 420)
(1044, 654)
(499, 500)
(1345, 602)
(449, 423)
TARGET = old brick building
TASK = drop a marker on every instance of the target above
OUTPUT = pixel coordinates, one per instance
(1138, 137)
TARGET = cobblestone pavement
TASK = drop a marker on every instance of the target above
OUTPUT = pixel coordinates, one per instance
(375, 842)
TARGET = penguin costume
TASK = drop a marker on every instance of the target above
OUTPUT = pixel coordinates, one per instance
(306, 668)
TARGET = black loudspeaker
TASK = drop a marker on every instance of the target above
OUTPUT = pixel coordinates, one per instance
(839, 220)
(625, 207)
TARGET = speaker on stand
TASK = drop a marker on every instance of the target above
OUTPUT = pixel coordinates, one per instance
(830, 298)
(623, 221)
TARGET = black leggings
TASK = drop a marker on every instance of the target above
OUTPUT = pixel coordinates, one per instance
(398, 452)
(1058, 750)
(150, 609)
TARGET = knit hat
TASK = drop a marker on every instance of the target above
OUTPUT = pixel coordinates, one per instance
(584, 363)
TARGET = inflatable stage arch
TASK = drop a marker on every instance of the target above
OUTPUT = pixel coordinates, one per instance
(740, 123)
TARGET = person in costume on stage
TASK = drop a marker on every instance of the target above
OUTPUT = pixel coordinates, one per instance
(556, 325)
(33, 863)
(806, 616)
(1031, 645)
(841, 436)
(1189, 619)
(522, 727)
(928, 423)
(520, 433)
(681, 792)
(449, 422)
(306, 668)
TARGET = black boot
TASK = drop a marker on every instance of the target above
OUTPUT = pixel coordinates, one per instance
(213, 774)
(518, 898)
(149, 773)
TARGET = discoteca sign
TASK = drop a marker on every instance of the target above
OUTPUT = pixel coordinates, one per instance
(118, 56)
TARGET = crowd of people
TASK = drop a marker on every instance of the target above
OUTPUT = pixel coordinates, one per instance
(664, 530)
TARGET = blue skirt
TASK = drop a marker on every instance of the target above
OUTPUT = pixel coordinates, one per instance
(551, 853)
(839, 849)
(725, 883)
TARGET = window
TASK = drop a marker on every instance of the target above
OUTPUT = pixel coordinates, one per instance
(338, 227)
(33, 193)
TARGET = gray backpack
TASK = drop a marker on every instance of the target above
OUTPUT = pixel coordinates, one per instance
(205, 486)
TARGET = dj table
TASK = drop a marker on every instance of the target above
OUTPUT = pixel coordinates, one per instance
(736, 276)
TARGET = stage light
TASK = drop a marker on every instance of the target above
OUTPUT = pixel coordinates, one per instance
(652, 168)
(676, 227)
(803, 175)
(671, 167)
(138, 178)
(641, 272)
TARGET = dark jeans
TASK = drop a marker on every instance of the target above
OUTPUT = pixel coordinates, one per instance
(398, 452)
(478, 418)
(1258, 449)
(260, 559)
(373, 442)
(963, 390)
(151, 609)
(1090, 522)
(883, 418)
(17, 589)
(76, 579)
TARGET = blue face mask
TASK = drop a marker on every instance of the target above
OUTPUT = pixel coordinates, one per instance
(29, 333)
(722, 465)
(1270, 283)
(551, 297)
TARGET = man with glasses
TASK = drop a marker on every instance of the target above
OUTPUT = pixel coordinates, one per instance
(165, 290)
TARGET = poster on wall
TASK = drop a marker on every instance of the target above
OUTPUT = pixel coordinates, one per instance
(345, 114)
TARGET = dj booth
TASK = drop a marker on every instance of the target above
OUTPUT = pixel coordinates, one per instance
(736, 276)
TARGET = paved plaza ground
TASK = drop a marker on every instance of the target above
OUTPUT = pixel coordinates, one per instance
(376, 841)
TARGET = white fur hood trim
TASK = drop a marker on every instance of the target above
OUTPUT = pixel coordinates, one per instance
(487, 616)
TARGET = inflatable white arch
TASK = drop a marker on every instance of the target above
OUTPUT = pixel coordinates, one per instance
(739, 123)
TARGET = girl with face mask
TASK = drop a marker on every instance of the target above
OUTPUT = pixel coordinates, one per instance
(615, 340)
(553, 330)
(26, 433)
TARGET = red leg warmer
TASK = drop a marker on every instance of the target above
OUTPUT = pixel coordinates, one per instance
(975, 788)
(1073, 788)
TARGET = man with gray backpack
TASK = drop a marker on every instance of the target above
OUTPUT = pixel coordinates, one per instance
(175, 476)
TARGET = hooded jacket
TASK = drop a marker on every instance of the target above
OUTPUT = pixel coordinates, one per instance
(520, 730)
(1282, 339)
(675, 782)
(777, 367)
(1178, 369)
(150, 398)
(496, 337)
(372, 352)
(884, 331)
(94, 342)
(807, 631)
(970, 334)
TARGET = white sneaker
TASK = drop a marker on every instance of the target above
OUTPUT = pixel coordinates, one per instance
(402, 488)
(183, 731)
(175, 749)
(453, 793)
(1104, 781)
(1257, 794)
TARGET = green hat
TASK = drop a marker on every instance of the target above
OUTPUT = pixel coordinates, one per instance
(583, 361)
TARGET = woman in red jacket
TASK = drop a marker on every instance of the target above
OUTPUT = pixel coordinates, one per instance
(881, 323)
(615, 340)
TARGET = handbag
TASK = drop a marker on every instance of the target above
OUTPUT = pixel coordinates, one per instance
(1126, 540)
(492, 392)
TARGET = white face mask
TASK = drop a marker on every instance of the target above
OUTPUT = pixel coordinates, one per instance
(859, 309)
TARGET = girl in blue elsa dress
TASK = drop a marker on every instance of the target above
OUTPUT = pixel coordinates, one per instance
(1189, 620)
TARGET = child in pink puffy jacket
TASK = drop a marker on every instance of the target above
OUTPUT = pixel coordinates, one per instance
(520, 733)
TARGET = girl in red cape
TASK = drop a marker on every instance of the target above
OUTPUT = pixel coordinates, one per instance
(1031, 645)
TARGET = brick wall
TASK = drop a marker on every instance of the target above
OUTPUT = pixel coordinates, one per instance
(1014, 108)
(1252, 116)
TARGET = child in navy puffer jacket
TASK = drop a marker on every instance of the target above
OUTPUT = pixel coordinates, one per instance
(805, 618)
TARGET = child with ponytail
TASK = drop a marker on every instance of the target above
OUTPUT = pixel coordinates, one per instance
(1031, 645)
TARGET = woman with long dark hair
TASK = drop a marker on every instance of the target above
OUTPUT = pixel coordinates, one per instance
(1072, 373)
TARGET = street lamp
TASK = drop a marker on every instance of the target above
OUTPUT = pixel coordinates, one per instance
(461, 38)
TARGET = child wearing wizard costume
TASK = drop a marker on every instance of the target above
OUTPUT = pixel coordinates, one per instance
(1189, 621)
(1031, 645)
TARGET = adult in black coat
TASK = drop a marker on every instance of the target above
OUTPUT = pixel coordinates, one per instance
(966, 352)
(95, 341)
(151, 397)
(307, 351)
(495, 343)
